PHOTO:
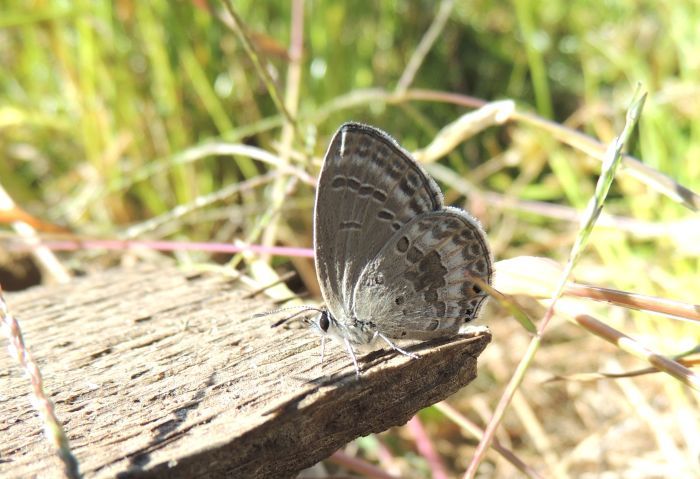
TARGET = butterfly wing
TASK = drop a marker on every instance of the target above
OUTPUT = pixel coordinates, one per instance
(420, 284)
(369, 188)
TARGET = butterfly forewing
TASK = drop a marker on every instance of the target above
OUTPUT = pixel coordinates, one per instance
(421, 284)
(369, 188)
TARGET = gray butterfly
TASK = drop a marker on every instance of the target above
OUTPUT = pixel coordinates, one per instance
(392, 261)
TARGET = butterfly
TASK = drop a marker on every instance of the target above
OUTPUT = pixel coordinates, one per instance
(393, 262)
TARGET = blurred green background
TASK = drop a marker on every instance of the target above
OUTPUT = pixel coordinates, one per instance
(92, 92)
(114, 113)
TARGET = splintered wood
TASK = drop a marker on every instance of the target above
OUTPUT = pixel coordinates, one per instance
(159, 373)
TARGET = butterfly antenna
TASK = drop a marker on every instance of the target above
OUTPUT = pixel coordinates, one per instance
(303, 309)
(282, 310)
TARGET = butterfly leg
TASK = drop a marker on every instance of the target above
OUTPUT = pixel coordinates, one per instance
(352, 355)
(395, 347)
(323, 348)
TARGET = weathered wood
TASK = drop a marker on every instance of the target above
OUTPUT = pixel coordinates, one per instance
(159, 373)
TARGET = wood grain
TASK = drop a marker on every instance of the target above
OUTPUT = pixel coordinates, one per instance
(157, 372)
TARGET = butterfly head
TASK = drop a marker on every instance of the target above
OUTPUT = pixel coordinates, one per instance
(327, 324)
(357, 335)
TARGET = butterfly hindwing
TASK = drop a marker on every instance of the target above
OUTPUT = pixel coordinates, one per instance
(420, 285)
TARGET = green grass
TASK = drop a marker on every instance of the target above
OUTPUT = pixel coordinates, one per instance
(106, 110)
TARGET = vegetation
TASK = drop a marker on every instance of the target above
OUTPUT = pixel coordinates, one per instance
(176, 120)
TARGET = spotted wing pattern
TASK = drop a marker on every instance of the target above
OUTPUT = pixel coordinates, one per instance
(421, 284)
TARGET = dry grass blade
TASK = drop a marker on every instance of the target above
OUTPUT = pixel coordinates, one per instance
(426, 43)
(509, 303)
(632, 166)
(535, 277)
(283, 278)
(644, 173)
(640, 302)
(589, 377)
(628, 344)
(202, 152)
(476, 432)
(238, 28)
(465, 127)
(595, 206)
(12, 213)
(198, 203)
(52, 427)
(26, 231)
(281, 188)
(516, 277)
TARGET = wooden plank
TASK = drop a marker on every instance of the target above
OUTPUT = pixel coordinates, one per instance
(159, 373)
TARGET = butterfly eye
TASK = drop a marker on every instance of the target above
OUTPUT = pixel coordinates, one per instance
(323, 322)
